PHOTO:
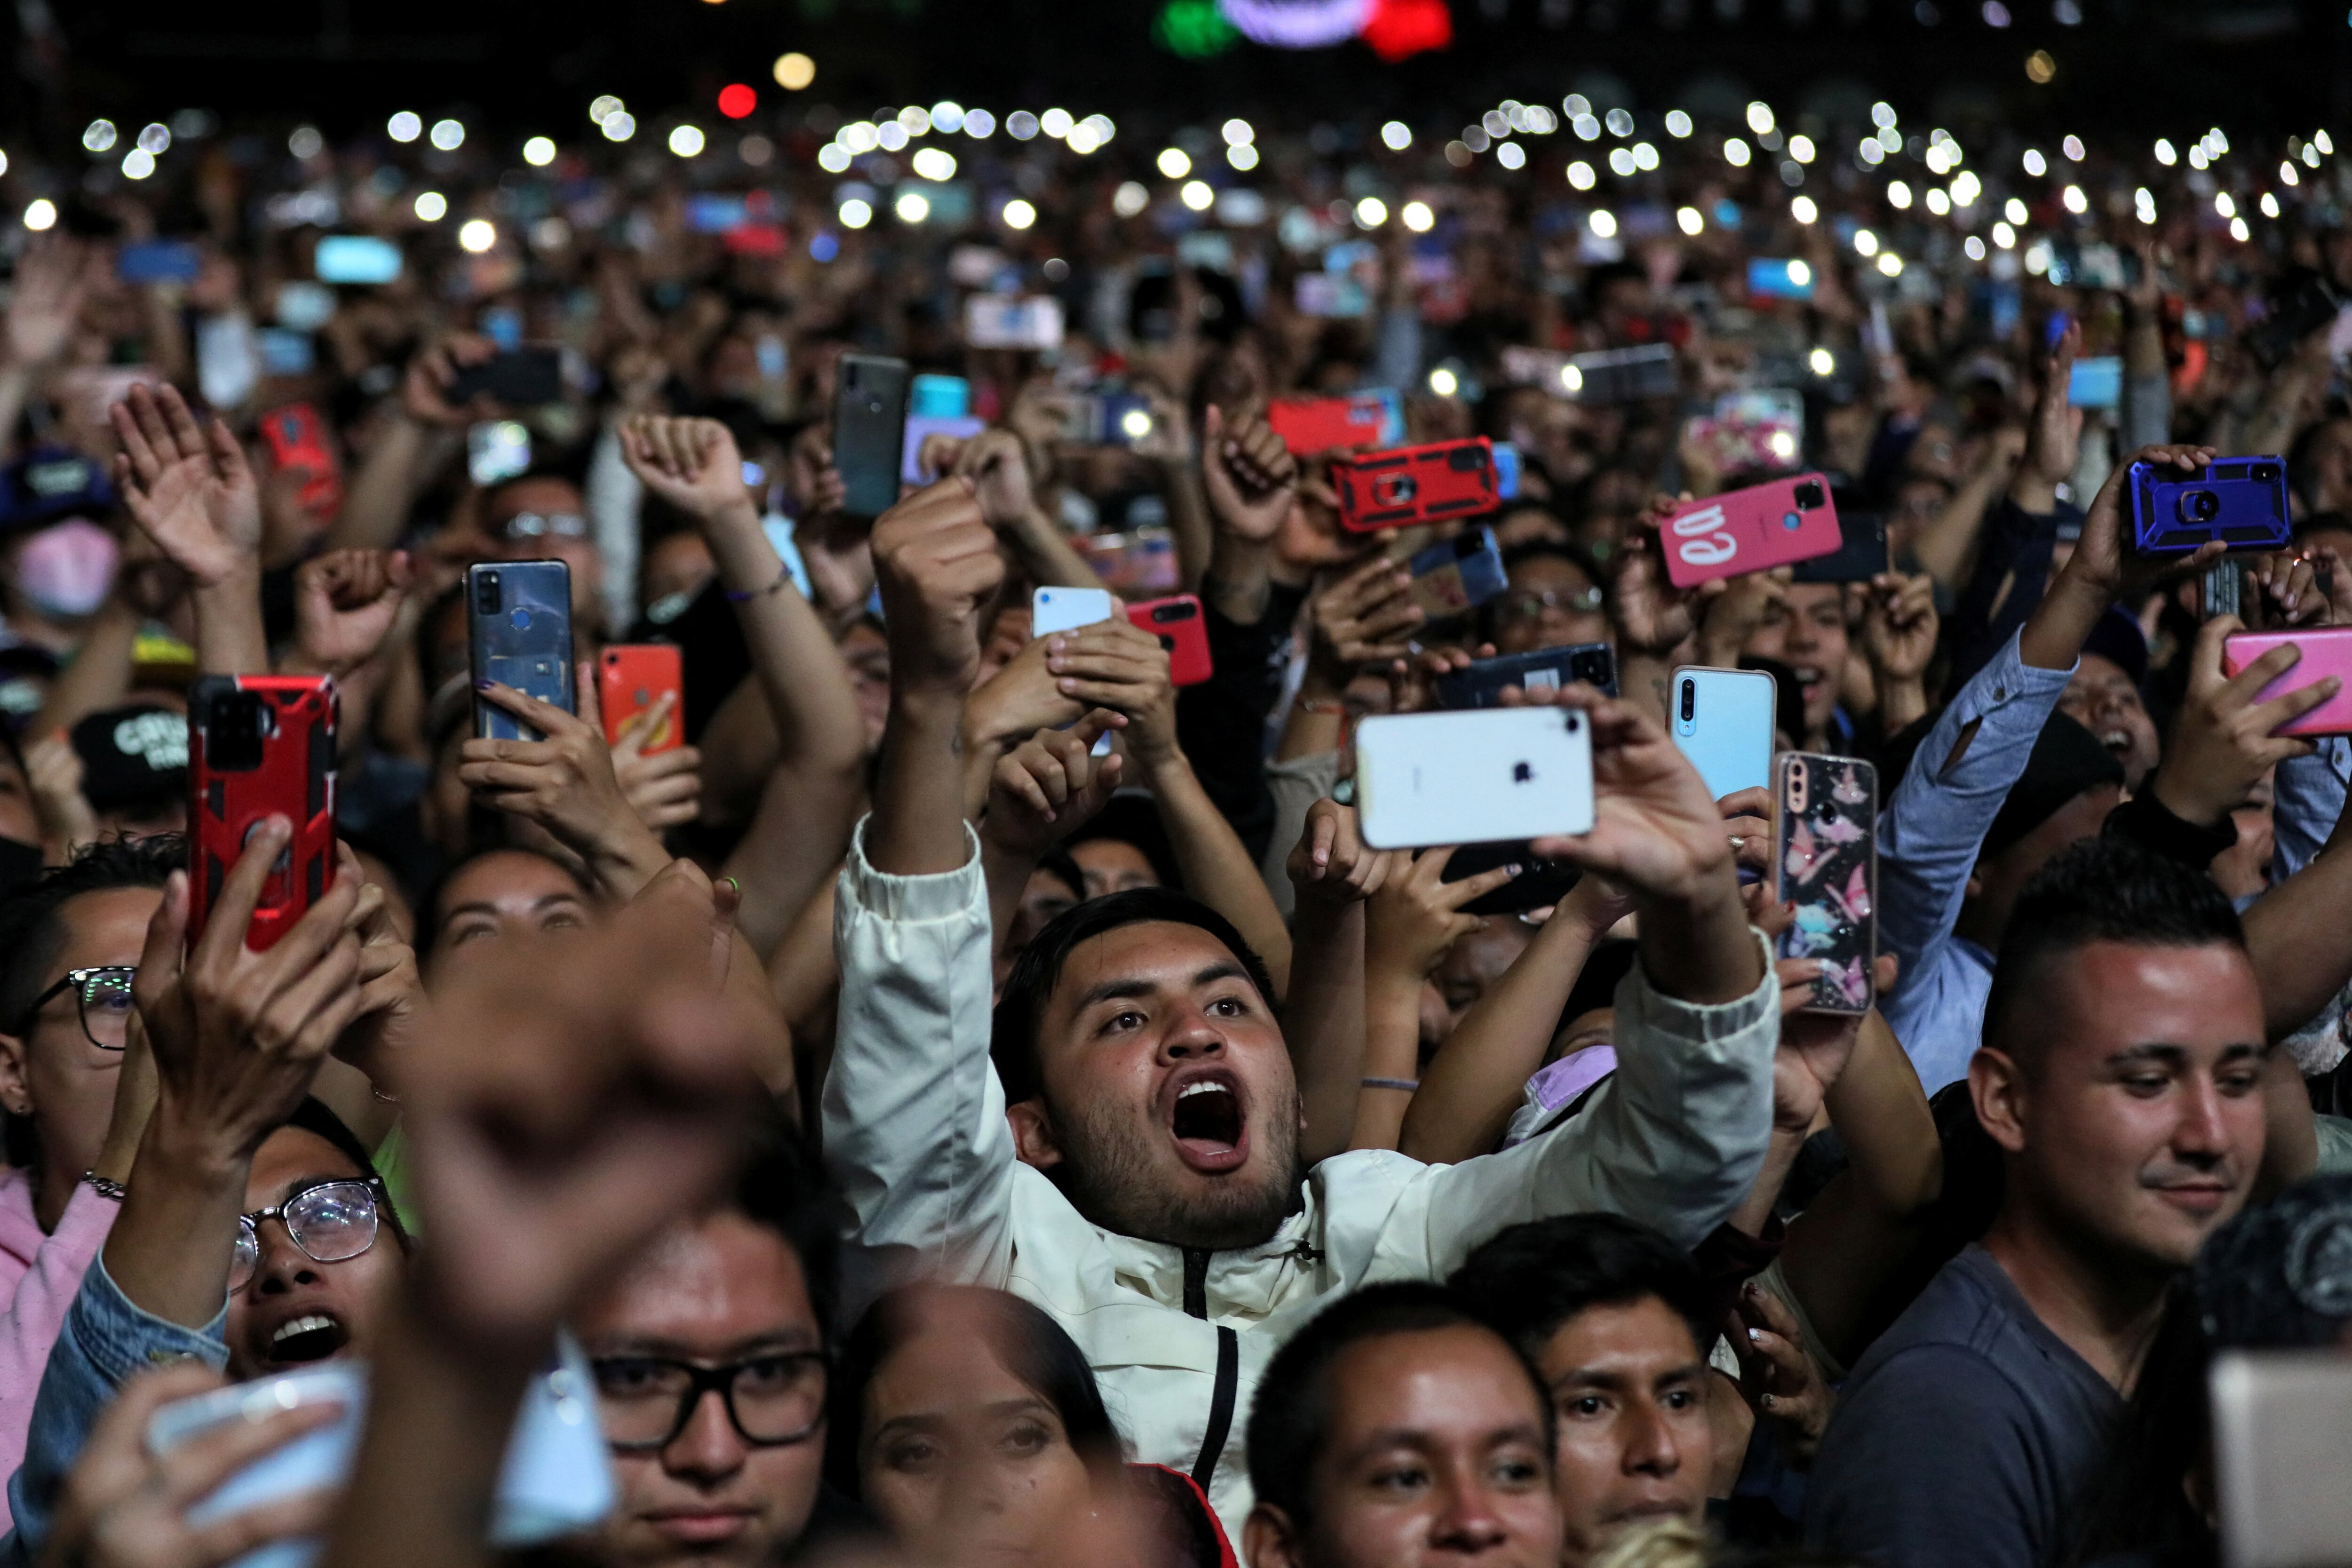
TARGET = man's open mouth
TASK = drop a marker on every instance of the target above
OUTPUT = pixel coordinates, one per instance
(2117, 740)
(313, 1336)
(1208, 1124)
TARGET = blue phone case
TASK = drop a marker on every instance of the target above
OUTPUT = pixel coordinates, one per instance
(1458, 575)
(2242, 501)
(1723, 723)
(518, 634)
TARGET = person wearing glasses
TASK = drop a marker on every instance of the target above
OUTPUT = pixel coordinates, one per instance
(251, 1227)
(543, 516)
(1554, 599)
(711, 1354)
(69, 944)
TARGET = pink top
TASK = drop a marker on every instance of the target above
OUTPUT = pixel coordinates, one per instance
(39, 1276)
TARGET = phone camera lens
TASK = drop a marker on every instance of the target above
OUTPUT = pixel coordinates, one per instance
(2199, 506)
(1574, 723)
(486, 593)
(2266, 473)
(1690, 698)
(1809, 495)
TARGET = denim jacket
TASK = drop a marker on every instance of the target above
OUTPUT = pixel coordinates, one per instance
(106, 1341)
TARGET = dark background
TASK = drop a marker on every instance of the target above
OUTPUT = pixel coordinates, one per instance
(2170, 67)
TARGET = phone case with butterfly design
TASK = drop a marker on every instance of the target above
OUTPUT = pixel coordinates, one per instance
(1825, 822)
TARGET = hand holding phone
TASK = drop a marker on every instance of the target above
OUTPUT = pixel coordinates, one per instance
(1176, 622)
(519, 627)
(1471, 777)
(869, 431)
(1435, 483)
(643, 685)
(1750, 530)
(1723, 721)
(523, 377)
(261, 749)
(2240, 502)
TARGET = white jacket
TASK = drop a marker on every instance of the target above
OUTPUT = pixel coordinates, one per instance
(914, 1133)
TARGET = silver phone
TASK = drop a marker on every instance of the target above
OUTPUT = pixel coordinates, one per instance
(1475, 776)
(2282, 1429)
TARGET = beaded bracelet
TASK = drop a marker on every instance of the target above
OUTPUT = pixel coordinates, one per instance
(104, 1186)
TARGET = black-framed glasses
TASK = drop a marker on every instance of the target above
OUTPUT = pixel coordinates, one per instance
(538, 525)
(101, 994)
(771, 1400)
(1529, 603)
(331, 1222)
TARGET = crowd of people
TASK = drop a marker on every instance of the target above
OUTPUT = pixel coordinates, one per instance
(977, 1099)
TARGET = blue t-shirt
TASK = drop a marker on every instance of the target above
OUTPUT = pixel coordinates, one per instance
(1968, 1436)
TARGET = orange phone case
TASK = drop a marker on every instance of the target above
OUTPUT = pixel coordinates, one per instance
(630, 678)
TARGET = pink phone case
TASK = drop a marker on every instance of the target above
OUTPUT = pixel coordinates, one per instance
(1752, 529)
(2327, 651)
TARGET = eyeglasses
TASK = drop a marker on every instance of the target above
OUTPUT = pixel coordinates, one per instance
(333, 1221)
(533, 525)
(771, 1400)
(102, 994)
(1530, 604)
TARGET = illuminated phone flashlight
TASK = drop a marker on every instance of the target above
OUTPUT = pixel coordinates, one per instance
(1135, 424)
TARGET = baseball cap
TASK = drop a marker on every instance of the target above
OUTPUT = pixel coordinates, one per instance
(133, 757)
(50, 483)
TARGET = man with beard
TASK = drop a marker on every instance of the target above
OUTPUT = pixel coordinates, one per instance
(1130, 1161)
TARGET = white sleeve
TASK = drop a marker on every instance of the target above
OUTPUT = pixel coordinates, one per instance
(913, 1115)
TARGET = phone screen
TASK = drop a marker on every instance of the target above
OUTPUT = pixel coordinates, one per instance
(356, 259)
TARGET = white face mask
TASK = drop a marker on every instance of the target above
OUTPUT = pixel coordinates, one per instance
(66, 568)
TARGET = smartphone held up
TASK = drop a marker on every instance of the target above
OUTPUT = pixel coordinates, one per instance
(261, 746)
(1475, 776)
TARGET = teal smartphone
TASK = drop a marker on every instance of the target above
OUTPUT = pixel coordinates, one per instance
(518, 634)
(1722, 722)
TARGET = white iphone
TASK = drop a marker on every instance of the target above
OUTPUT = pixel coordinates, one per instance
(1474, 777)
(1054, 610)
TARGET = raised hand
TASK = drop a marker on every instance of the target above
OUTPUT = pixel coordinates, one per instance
(1656, 832)
(1776, 1374)
(1366, 615)
(1250, 476)
(125, 1506)
(1653, 616)
(2055, 435)
(664, 789)
(937, 564)
(52, 279)
(238, 1035)
(2101, 562)
(187, 486)
(1051, 786)
(52, 774)
(623, 1070)
(1415, 915)
(392, 992)
(1331, 864)
(1899, 625)
(1814, 1046)
(564, 783)
(345, 602)
(997, 464)
(692, 464)
(1117, 664)
(2224, 740)
(424, 388)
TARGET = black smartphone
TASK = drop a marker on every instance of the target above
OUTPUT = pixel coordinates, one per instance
(1539, 884)
(519, 378)
(870, 429)
(518, 634)
(2301, 305)
(1860, 554)
(1543, 669)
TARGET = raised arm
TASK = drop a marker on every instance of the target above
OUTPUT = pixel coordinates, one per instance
(1117, 664)
(421, 435)
(998, 467)
(803, 824)
(1478, 1077)
(565, 784)
(1677, 1136)
(914, 1115)
(190, 490)
(1323, 1012)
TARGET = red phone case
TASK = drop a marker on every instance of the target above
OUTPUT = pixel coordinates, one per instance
(295, 779)
(630, 678)
(1416, 484)
(297, 439)
(1310, 425)
(2327, 651)
(1176, 622)
(1752, 529)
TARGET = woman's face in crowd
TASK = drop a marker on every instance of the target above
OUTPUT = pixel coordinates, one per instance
(296, 1311)
(959, 1459)
(1551, 603)
(503, 894)
(712, 1291)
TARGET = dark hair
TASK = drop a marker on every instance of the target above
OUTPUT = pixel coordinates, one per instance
(31, 933)
(781, 1186)
(1535, 1278)
(1034, 1349)
(2100, 889)
(1058, 863)
(1290, 1416)
(428, 908)
(1021, 1007)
